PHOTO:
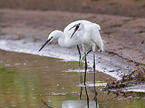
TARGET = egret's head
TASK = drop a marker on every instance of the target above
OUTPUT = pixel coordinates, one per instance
(77, 27)
(53, 35)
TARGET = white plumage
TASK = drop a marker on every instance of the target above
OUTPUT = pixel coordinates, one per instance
(78, 32)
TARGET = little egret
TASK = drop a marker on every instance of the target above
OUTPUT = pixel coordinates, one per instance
(65, 39)
(89, 37)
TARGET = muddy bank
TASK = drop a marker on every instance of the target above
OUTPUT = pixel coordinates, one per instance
(131, 8)
(133, 82)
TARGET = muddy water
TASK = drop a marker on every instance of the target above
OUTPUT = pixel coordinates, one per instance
(30, 81)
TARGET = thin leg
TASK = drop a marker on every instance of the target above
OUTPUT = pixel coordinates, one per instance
(85, 69)
(79, 57)
(85, 80)
(79, 71)
(89, 51)
(86, 54)
(94, 78)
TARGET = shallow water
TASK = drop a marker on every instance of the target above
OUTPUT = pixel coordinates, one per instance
(30, 81)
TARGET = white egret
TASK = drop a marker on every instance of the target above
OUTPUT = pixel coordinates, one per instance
(65, 40)
(64, 37)
(89, 37)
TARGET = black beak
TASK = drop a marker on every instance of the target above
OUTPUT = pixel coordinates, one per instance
(77, 26)
(45, 44)
(73, 27)
(73, 33)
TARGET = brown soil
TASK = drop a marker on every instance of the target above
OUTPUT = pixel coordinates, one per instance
(133, 8)
(122, 22)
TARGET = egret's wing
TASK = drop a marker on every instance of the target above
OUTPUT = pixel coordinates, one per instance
(97, 39)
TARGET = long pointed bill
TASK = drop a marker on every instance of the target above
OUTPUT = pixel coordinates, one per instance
(44, 44)
(73, 33)
(73, 27)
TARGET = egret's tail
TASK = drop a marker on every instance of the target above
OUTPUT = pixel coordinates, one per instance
(97, 26)
(102, 47)
(99, 40)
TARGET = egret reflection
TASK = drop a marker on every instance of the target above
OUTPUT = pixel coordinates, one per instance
(79, 104)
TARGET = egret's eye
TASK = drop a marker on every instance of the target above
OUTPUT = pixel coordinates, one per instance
(50, 37)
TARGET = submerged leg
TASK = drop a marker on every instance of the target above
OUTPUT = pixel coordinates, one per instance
(85, 80)
(79, 71)
(87, 96)
(94, 78)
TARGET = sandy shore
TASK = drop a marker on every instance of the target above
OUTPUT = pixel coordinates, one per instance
(123, 36)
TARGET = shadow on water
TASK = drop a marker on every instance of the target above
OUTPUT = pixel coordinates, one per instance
(28, 81)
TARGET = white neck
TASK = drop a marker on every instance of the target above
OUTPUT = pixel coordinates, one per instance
(64, 40)
(61, 38)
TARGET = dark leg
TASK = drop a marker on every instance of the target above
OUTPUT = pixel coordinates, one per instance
(94, 78)
(85, 69)
(85, 80)
(79, 71)
(79, 56)
(89, 52)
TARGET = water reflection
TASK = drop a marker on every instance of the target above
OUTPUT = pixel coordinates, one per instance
(46, 104)
(75, 104)
(78, 104)
(82, 103)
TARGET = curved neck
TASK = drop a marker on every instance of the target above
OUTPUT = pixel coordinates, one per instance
(61, 38)
(64, 40)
